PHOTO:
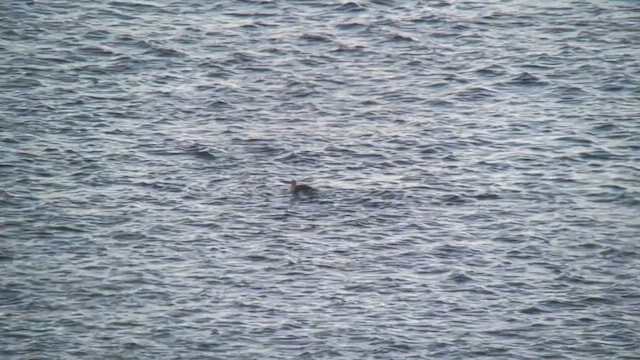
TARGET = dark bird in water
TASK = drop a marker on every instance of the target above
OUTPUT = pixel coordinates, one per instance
(299, 188)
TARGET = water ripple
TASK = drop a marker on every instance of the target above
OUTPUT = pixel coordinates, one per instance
(476, 164)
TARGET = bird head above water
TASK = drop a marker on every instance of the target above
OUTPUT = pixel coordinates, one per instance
(297, 188)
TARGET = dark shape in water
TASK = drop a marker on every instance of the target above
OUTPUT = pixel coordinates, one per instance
(301, 188)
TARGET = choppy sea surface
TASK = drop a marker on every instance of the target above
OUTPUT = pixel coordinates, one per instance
(478, 167)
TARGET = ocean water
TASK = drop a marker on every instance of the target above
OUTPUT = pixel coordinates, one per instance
(478, 168)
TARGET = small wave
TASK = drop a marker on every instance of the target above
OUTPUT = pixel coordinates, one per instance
(350, 7)
(605, 127)
(348, 49)
(575, 140)
(475, 94)
(402, 38)
(557, 304)
(151, 47)
(5, 256)
(165, 52)
(316, 38)
(596, 300)
(569, 94)
(351, 26)
(532, 310)
(487, 196)
(239, 58)
(130, 4)
(96, 51)
(612, 88)
(10, 297)
(440, 103)
(206, 153)
(526, 79)
(460, 278)
(97, 34)
(218, 103)
(599, 154)
(9, 140)
(491, 71)
(21, 83)
(443, 35)
(427, 19)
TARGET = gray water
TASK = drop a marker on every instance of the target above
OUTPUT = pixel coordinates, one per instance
(478, 167)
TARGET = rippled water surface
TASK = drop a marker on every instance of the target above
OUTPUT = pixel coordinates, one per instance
(478, 167)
